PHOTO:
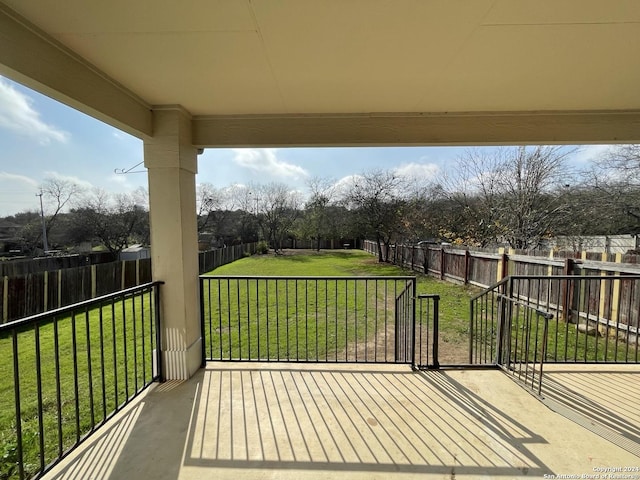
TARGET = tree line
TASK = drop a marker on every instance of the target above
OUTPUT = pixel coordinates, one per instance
(515, 196)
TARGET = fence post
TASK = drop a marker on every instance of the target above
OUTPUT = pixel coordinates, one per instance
(59, 288)
(413, 253)
(5, 300)
(503, 264)
(46, 291)
(442, 263)
(467, 256)
(94, 281)
(615, 298)
(566, 288)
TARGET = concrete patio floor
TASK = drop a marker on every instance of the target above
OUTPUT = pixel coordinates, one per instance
(602, 398)
(308, 421)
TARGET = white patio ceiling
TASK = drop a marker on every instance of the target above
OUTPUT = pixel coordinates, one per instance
(465, 71)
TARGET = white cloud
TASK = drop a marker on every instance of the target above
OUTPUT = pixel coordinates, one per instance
(27, 182)
(18, 193)
(344, 185)
(590, 153)
(119, 179)
(18, 116)
(422, 171)
(265, 160)
(69, 178)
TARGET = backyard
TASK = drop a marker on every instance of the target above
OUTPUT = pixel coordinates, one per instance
(77, 368)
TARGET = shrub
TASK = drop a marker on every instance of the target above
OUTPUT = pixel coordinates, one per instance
(262, 247)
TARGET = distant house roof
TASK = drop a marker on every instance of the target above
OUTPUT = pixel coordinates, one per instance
(134, 248)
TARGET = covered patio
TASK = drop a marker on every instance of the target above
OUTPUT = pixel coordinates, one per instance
(184, 76)
(278, 420)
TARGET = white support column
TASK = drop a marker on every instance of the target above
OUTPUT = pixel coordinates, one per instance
(171, 160)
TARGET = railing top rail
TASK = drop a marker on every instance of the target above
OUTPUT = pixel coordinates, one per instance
(574, 277)
(539, 311)
(490, 288)
(608, 266)
(429, 295)
(61, 311)
(303, 277)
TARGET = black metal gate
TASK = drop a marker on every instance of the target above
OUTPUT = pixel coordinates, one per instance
(405, 324)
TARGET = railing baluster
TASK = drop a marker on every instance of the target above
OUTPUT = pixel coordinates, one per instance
(75, 375)
(39, 393)
(116, 387)
(248, 320)
(144, 353)
(266, 321)
(56, 349)
(229, 331)
(297, 321)
(16, 390)
(277, 293)
(355, 314)
(103, 381)
(239, 321)
(336, 319)
(135, 343)
(326, 320)
(258, 315)
(286, 306)
(315, 282)
(89, 367)
(125, 352)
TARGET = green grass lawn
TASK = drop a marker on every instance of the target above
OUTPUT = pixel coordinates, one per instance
(104, 357)
(565, 343)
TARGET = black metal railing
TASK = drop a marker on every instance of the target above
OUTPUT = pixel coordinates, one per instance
(308, 319)
(595, 318)
(65, 372)
(426, 331)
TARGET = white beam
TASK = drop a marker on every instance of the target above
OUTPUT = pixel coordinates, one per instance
(31, 57)
(492, 128)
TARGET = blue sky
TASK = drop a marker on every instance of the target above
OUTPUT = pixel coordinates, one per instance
(42, 138)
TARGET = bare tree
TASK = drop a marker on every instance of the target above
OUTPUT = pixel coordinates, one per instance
(278, 207)
(208, 200)
(57, 194)
(532, 185)
(616, 177)
(474, 191)
(115, 220)
(510, 194)
(378, 197)
(322, 194)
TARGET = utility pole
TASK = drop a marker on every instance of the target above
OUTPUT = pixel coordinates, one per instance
(44, 225)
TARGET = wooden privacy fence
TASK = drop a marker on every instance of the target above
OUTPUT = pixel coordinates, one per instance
(25, 266)
(613, 298)
(211, 259)
(25, 295)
